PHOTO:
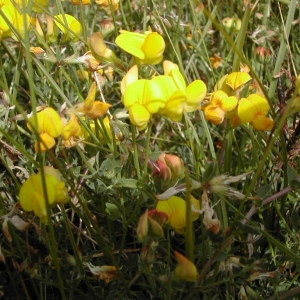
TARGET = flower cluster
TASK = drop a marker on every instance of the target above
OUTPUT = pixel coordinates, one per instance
(49, 125)
(228, 101)
(166, 94)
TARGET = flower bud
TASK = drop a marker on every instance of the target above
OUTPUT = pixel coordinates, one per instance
(185, 270)
(169, 166)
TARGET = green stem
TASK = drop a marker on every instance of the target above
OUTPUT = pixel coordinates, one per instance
(283, 48)
(189, 229)
(135, 152)
(240, 41)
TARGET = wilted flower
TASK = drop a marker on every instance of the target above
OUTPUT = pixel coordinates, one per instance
(146, 47)
(185, 269)
(99, 49)
(48, 125)
(91, 107)
(150, 224)
(106, 273)
(71, 132)
(34, 197)
(175, 208)
(216, 61)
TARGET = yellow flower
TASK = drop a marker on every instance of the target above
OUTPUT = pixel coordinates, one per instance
(48, 125)
(91, 107)
(254, 109)
(146, 47)
(232, 24)
(33, 196)
(185, 269)
(69, 26)
(143, 98)
(71, 132)
(179, 97)
(15, 19)
(219, 104)
(175, 208)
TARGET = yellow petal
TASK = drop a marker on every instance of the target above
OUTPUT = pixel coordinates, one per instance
(98, 47)
(145, 92)
(261, 103)
(139, 116)
(185, 270)
(252, 106)
(32, 196)
(214, 114)
(89, 100)
(229, 103)
(131, 42)
(48, 120)
(174, 106)
(195, 93)
(99, 109)
(72, 128)
(263, 123)
(246, 110)
(237, 79)
(178, 79)
(130, 77)
(69, 26)
(153, 48)
(175, 208)
(45, 143)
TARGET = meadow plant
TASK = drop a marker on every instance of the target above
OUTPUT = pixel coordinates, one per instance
(149, 149)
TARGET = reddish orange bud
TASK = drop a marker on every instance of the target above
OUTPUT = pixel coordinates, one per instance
(169, 166)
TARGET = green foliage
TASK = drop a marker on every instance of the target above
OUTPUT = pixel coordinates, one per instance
(248, 179)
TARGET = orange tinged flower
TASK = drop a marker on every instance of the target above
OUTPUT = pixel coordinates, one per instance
(185, 269)
(219, 105)
(91, 107)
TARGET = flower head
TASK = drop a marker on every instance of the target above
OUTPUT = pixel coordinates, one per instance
(181, 98)
(146, 47)
(220, 104)
(143, 98)
(33, 196)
